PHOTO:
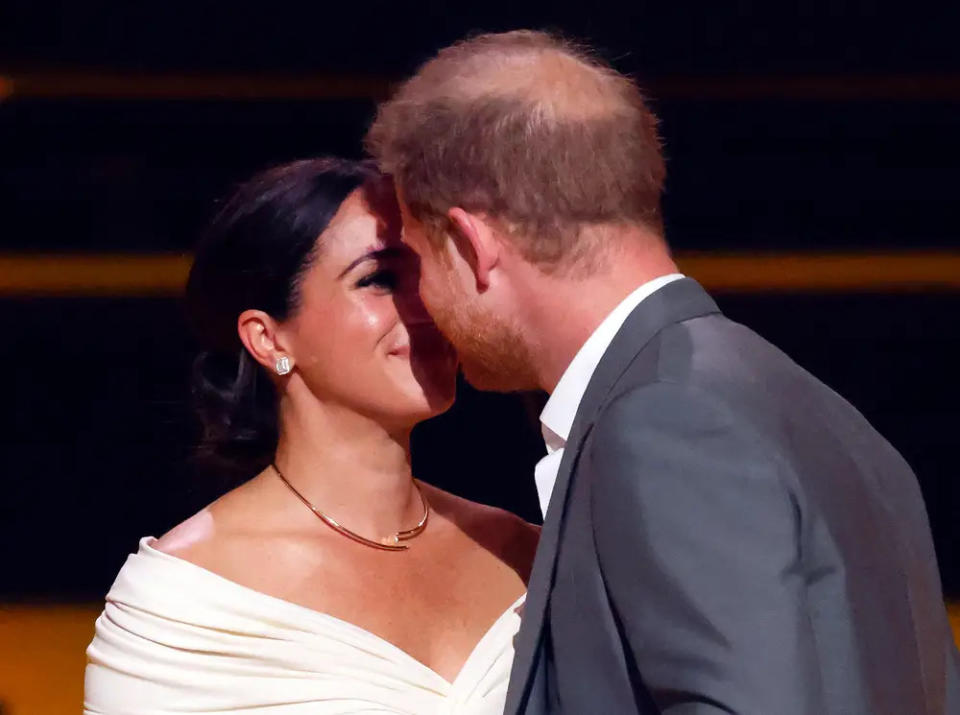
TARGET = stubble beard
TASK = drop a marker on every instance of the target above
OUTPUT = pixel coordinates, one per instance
(493, 353)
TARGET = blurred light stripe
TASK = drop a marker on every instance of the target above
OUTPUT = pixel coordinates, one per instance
(953, 612)
(193, 86)
(68, 275)
(825, 272)
(836, 87)
(111, 84)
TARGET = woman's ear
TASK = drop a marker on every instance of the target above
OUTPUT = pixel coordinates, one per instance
(259, 335)
(476, 242)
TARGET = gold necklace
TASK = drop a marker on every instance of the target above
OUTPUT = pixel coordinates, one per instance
(388, 543)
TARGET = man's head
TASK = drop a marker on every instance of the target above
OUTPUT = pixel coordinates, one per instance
(511, 154)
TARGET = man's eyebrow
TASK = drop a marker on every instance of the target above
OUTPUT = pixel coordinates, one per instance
(377, 254)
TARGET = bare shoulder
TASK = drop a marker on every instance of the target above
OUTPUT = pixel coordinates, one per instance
(471, 513)
(509, 537)
(187, 535)
(208, 537)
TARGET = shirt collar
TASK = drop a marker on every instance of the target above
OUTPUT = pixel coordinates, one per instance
(561, 409)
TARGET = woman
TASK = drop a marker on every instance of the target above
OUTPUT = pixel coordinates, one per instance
(332, 581)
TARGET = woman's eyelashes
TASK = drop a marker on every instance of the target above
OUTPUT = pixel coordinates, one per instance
(382, 278)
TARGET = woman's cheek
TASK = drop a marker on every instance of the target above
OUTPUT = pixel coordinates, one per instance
(377, 317)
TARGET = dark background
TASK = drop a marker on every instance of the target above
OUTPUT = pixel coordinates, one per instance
(815, 128)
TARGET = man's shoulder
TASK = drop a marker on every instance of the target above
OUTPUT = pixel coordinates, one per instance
(707, 375)
(716, 357)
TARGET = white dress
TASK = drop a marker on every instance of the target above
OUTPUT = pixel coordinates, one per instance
(176, 638)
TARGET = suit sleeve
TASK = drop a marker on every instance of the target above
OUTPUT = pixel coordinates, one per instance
(698, 540)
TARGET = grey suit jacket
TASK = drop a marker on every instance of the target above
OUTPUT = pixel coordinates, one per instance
(728, 535)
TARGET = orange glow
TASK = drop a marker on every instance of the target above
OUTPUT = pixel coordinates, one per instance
(42, 655)
(953, 610)
(88, 84)
(92, 275)
(66, 275)
(824, 272)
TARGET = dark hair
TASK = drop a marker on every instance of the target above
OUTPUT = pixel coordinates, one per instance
(254, 256)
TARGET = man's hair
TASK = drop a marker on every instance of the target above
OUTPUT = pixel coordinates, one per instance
(529, 129)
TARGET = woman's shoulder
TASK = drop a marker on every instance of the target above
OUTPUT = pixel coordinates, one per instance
(468, 511)
(188, 536)
(218, 534)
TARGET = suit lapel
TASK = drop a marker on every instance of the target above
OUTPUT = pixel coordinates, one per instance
(678, 301)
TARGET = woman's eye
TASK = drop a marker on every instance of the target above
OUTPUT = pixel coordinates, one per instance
(381, 279)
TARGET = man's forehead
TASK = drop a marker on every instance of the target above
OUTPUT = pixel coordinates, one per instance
(408, 222)
(404, 208)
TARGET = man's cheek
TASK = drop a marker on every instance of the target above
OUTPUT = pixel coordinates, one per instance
(431, 297)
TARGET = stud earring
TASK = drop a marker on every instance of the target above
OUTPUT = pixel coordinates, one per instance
(283, 365)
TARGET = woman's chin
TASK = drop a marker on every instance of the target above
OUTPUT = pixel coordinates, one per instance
(416, 411)
(434, 400)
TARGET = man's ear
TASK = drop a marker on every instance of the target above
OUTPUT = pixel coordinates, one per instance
(476, 241)
(259, 334)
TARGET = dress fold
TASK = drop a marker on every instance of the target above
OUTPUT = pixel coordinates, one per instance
(176, 638)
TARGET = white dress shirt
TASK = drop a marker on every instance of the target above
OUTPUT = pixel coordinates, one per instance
(561, 409)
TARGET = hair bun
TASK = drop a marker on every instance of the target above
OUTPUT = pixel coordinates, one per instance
(236, 404)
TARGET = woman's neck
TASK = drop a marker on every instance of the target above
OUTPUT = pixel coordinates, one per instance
(349, 466)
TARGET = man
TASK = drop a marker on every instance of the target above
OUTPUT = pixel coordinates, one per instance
(723, 533)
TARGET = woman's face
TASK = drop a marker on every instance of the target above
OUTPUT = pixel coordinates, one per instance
(361, 338)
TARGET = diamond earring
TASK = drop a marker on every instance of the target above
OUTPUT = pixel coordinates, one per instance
(283, 365)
